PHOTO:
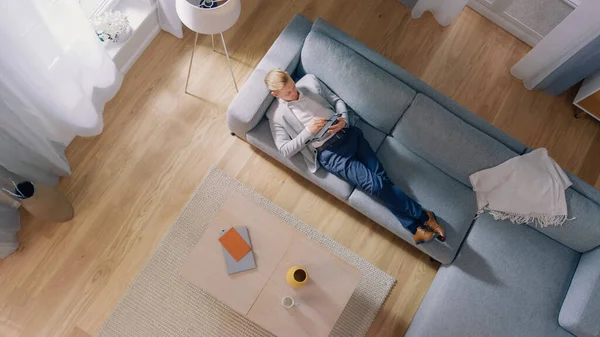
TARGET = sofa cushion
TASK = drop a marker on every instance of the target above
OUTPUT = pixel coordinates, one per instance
(507, 280)
(584, 188)
(453, 203)
(580, 312)
(376, 96)
(448, 142)
(262, 138)
(582, 232)
(373, 136)
(417, 84)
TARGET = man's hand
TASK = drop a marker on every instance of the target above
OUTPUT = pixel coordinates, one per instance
(337, 127)
(316, 124)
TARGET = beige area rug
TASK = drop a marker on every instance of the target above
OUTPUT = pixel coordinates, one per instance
(160, 302)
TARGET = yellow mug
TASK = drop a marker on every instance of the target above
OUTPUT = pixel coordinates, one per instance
(296, 277)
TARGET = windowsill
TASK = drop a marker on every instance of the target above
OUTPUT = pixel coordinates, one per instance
(137, 11)
(143, 21)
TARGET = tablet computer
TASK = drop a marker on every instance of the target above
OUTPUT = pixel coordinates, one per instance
(331, 121)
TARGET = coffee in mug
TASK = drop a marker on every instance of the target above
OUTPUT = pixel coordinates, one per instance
(296, 277)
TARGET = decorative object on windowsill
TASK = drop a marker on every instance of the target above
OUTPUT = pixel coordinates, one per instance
(42, 201)
(208, 17)
(112, 26)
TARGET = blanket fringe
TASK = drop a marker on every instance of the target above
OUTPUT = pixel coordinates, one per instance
(539, 220)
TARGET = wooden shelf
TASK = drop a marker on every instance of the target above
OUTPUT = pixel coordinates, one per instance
(588, 97)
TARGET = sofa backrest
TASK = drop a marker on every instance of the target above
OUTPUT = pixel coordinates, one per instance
(446, 141)
(417, 84)
(584, 188)
(392, 107)
(582, 231)
(382, 99)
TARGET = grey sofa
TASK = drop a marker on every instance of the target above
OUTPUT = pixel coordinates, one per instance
(497, 278)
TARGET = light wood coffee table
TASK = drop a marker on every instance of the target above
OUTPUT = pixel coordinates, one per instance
(258, 293)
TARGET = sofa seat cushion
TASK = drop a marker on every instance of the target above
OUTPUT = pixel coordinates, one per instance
(375, 95)
(584, 188)
(262, 138)
(448, 142)
(507, 280)
(580, 312)
(453, 203)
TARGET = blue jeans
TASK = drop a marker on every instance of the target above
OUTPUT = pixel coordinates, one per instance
(352, 159)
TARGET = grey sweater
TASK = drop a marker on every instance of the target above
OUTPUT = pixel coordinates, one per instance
(289, 133)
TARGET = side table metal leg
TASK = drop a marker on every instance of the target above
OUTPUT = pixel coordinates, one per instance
(187, 81)
(229, 62)
(578, 113)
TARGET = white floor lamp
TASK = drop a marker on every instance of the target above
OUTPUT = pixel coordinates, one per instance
(209, 21)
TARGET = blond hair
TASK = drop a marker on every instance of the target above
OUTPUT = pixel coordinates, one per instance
(276, 79)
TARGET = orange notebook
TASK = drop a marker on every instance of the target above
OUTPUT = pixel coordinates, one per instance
(235, 244)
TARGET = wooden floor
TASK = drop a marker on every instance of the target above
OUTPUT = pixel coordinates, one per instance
(130, 182)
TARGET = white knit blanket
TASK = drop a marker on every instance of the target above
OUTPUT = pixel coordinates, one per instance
(524, 189)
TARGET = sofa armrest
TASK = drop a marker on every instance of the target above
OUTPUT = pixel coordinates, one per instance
(580, 312)
(249, 106)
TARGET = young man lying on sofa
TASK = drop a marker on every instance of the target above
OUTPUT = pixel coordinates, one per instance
(304, 110)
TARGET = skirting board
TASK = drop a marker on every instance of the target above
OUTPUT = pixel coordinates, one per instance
(522, 33)
(6, 200)
(140, 50)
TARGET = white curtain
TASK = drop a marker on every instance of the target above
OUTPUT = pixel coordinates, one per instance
(55, 78)
(444, 11)
(576, 31)
(168, 18)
